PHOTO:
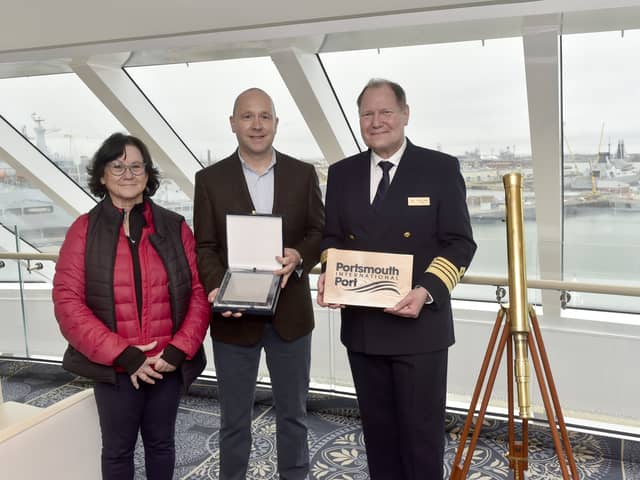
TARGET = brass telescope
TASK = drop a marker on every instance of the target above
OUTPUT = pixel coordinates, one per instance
(518, 304)
(510, 334)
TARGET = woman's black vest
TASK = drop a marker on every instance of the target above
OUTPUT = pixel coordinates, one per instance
(100, 254)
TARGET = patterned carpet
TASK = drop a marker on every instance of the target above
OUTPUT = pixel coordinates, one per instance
(336, 444)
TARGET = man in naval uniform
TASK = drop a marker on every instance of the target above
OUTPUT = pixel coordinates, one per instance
(397, 197)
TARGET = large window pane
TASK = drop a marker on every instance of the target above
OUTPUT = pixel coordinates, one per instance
(40, 222)
(469, 100)
(601, 100)
(197, 100)
(61, 117)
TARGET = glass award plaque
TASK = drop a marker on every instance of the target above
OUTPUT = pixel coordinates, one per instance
(249, 285)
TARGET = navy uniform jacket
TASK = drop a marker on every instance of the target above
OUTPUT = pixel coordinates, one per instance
(437, 232)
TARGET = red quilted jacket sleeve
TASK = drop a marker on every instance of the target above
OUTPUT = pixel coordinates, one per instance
(194, 327)
(82, 329)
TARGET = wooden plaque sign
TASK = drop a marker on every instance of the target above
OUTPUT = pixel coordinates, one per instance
(370, 279)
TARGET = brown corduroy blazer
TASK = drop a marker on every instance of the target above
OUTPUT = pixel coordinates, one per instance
(221, 189)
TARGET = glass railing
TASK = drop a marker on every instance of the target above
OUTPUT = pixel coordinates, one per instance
(28, 328)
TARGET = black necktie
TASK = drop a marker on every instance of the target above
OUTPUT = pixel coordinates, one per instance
(383, 185)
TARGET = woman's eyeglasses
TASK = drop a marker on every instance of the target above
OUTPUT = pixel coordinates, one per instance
(118, 169)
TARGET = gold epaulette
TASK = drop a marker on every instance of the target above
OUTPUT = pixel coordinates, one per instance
(446, 271)
(323, 256)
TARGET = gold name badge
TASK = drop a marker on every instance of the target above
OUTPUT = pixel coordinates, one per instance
(418, 201)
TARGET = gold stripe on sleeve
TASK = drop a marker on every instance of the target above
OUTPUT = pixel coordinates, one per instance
(445, 271)
(323, 256)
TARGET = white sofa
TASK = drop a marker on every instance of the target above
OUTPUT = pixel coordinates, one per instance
(58, 442)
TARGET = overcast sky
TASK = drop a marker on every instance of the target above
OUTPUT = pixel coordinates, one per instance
(462, 96)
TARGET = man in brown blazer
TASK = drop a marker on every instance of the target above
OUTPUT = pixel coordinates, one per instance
(258, 179)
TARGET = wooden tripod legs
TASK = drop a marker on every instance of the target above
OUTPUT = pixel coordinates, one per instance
(518, 449)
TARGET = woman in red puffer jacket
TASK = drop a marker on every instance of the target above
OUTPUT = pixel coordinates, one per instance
(129, 301)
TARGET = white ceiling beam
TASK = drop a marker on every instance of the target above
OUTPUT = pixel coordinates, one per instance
(105, 77)
(542, 67)
(41, 23)
(41, 173)
(371, 28)
(312, 92)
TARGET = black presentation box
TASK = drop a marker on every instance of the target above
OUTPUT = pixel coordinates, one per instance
(249, 285)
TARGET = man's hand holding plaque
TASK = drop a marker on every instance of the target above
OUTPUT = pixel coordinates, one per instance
(411, 305)
(227, 313)
(290, 261)
(320, 294)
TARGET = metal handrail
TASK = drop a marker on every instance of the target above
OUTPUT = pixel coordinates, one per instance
(558, 285)
(29, 256)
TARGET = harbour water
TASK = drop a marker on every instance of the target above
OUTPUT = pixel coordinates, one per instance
(600, 246)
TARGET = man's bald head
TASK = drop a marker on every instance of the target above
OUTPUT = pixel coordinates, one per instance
(252, 91)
